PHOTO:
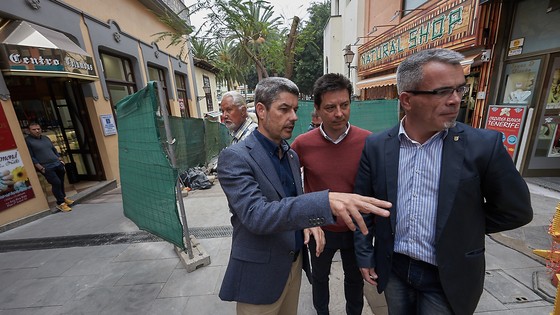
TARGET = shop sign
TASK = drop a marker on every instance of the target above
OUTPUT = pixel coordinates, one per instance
(15, 187)
(108, 123)
(33, 59)
(516, 47)
(508, 120)
(449, 25)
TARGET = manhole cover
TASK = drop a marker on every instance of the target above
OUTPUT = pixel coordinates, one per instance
(506, 289)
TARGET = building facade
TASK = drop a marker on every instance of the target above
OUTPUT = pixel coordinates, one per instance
(66, 65)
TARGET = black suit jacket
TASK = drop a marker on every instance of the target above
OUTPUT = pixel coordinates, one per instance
(480, 192)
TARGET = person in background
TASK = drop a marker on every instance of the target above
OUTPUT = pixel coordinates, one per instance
(329, 156)
(271, 217)
(235, 116)
(48, 162)
(449, 184)
(315, 120)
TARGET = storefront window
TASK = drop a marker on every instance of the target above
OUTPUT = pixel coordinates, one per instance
(548, 142)
(520, 82)
(535, 26)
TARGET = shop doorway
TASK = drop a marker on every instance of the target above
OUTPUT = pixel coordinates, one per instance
(57, 104)
(544, 151)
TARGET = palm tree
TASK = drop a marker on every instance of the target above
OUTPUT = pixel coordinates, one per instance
(228, 60)
(251, 24)
(203, 49)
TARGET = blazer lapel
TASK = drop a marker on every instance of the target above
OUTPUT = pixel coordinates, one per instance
(392, 146)
(451, 164)
(262, 159)
(296, 173)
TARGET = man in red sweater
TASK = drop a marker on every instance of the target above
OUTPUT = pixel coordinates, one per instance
(330, 156)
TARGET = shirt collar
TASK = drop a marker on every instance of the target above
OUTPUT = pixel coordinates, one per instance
(402, 133)
(340, 138)
(239, 132)
(270, 146)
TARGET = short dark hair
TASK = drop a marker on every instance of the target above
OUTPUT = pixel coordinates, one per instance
(34, 123)
(330, 82)
(268, 89)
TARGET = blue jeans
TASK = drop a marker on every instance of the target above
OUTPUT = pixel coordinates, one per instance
(414, 287)
(55, 177)
(321, 268)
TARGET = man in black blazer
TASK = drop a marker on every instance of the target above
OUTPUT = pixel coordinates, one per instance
(271, 217)
(449, 184)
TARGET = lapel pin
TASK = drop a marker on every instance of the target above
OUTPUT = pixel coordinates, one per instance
(455, 138)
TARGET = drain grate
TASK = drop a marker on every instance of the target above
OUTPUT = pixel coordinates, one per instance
(212, 232)
(104, 239)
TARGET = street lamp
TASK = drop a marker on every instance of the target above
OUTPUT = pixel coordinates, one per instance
(348, 57)
(206, 90)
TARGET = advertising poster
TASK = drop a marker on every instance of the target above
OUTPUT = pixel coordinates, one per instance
(553, 99)
(508, 120)
(15, 187)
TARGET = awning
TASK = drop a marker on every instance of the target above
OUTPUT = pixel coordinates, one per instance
(391, 79)
(33, 50)
(383, 80)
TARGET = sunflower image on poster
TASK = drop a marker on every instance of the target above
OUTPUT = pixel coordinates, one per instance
(15, 187)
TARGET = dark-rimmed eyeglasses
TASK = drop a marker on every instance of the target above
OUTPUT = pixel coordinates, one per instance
(443, 92)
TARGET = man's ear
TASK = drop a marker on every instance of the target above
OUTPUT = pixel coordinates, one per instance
(260, 109)
(404, 99)
(244, 111)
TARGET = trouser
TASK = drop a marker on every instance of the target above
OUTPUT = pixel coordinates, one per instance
(321, 268)
(55, 177)
(414, 287)
(287, 304)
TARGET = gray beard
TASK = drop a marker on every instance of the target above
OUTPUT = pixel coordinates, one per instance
(450, 124)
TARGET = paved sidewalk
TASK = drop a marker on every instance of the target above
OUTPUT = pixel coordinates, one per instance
(113, 268)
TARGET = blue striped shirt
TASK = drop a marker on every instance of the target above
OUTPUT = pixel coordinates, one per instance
(417, 196)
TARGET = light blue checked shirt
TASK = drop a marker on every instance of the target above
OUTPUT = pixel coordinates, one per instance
(417, 196)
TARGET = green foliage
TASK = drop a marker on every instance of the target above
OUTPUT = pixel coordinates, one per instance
(203, 49)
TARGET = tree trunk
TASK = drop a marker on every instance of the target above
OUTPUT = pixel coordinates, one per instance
(289, 51)
(260, 66)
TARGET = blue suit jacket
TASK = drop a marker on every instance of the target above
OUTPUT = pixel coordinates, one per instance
(264, 221)
(480, 192)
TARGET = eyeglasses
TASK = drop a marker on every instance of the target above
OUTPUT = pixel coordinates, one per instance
(443, 92)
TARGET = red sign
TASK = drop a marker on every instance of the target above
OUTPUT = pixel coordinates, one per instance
(6, 138)
(508, 120)
(15, 187)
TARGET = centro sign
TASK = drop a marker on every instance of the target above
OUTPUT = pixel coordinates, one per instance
(38, 59)
(17, 59)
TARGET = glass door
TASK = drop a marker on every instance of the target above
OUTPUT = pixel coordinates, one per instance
(75, 130)
(545, 154)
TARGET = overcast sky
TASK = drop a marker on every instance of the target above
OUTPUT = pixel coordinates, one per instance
(286, 9)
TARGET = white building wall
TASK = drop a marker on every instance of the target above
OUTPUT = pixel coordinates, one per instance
(344, 27)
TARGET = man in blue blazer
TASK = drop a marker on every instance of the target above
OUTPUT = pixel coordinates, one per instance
(271, 218)
(449, 184)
